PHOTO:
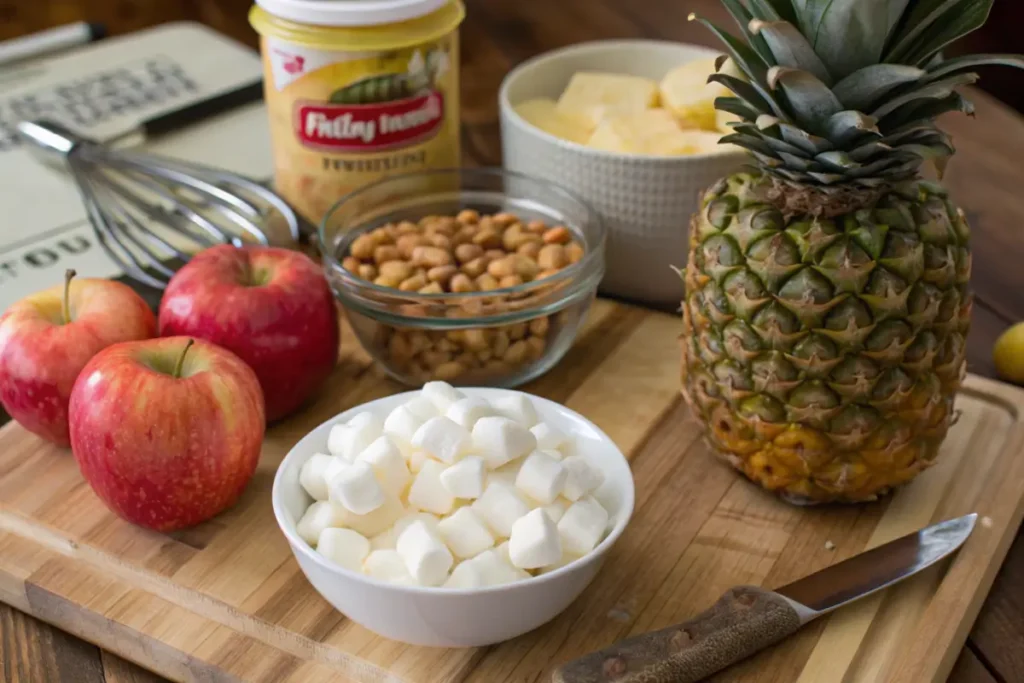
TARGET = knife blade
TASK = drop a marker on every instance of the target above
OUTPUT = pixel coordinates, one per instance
(747, 619)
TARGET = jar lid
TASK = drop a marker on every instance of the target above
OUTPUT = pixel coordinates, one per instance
(350, 12)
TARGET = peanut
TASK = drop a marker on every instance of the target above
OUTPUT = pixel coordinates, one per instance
(487, 282)
(367, 272)
(534, 348)
(525, 267)
(385, 281)
(431, 257)
(449, 371)
(539, 326)
(574, 251)
(413, 284)
(530, 250)
(440, 241)
(468, 216)
(514, 237)
(552, 257)
(510, 281)
(492, 254)
(557, 235)
(468, 252)
(406, 243)
(516, 353)
(476, 267)
(501, 343)
(448, 345)
(488, 238)
(461, 283)
(503, 267)
(383, 235)
(432, 288)
(441, 274)
(484, 355)
(504, 219)
(516, 331)
(476, 339)
(351, 264)
(362, 247)
(396, 270)
(536, 227)
(386, 253)
(407, 227)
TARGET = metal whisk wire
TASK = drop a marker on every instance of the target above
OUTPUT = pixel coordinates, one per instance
(150, 213)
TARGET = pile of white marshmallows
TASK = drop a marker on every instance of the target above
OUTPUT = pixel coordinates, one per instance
(428, 495)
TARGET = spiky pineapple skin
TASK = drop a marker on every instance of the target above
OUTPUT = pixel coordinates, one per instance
(823, 356)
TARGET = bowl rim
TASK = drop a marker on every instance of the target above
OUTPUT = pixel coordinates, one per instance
(298, 545)
(567, 274)
(509, 113)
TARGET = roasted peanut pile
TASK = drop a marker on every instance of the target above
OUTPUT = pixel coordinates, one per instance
(464, 253)
(467, 253)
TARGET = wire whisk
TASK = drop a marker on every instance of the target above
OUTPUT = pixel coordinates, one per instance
(150, 213)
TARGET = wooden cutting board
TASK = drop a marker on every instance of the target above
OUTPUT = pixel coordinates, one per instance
(226, 601)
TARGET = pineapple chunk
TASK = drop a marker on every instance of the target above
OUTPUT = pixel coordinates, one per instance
(652, 131)
(543, 114)
(591, 96)
(687, 94)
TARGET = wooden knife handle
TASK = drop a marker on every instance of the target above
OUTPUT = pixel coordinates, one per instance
(743, 621)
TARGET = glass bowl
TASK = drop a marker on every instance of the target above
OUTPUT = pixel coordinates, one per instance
(500, 338)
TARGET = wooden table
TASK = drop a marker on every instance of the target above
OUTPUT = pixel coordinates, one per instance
(985, 179)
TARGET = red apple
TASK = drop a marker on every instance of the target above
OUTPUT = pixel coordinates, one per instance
(47, 338)
(270, 306)
(167, 435)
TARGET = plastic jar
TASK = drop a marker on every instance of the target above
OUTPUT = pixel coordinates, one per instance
(357, 90)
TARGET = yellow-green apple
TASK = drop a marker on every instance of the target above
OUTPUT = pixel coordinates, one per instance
(47, 338)
(272, 307)
(167, 433)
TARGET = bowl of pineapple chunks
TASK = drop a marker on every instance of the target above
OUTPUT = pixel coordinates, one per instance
(631, 127)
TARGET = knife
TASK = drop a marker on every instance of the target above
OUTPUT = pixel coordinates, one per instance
(747, 619)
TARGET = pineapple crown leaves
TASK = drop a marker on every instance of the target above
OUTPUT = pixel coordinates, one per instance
(845, 92)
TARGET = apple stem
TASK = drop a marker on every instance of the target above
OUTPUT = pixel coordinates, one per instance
(181, 359)
(65, 304)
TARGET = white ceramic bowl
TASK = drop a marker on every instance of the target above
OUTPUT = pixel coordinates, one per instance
(646, 201)
(447, 617)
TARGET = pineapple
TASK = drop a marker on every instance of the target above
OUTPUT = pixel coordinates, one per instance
(826, 291)
(651, 131)
(686, 92)
(543, 114)
(591, 96)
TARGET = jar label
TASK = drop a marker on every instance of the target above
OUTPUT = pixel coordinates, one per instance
(340, 120)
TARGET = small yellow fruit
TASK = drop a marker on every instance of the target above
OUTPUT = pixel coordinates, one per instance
(543, 114)
(1008, 354)
(590, 96)
(687, 94)
(652, 131)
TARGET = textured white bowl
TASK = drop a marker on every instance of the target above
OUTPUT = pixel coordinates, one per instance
(646, 201)
(455, 618)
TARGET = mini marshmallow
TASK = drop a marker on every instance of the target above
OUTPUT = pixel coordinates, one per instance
(548, 438)
(426, 557)
(428, 493)
(541, 477)
(500, 440)
(386, 540)
(556, 510)
(348, 440)
(387, 565)
(355, 488)
(534, 542)
(416, 460)
(466, 411)
(495, 569)
(500, 506)
(442, 438)
(318, 516)
(507, 473)
(465, 479)
(312, 475)
(465, 575)
(582, 477)
(441, 394)
(401, 424)
(422, 408)
(516, 407)
(465, 533)
(582, 526)
(388, 464)
(344, 547)
(375, 522)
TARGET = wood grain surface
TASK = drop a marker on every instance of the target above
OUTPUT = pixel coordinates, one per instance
(985, 178)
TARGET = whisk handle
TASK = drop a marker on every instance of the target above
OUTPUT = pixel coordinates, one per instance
(51, 138)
